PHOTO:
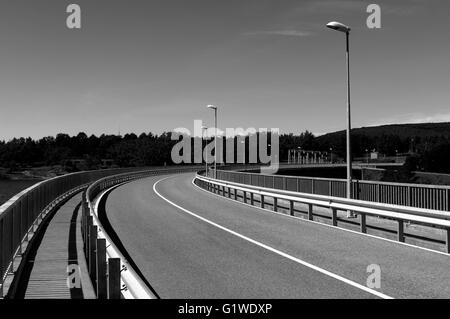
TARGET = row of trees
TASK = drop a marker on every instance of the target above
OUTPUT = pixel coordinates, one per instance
(432, 153)
(128, 150)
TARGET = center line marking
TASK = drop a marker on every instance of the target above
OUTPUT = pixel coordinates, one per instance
(274, 250)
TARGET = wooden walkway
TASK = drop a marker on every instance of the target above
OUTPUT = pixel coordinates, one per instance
(58, 249)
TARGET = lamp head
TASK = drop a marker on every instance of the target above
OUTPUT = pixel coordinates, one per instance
(212, 107)
(338, 26)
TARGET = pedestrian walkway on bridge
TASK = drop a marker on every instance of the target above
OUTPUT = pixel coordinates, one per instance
(57, 246)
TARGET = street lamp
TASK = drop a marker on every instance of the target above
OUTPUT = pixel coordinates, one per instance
(204, 129)
(215, 138)
(343, 28)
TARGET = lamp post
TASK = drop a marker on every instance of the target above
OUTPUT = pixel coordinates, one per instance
(215, 138)
(204, 129)
(343, 28)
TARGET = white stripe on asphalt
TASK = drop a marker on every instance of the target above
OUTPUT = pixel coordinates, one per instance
(276, 251)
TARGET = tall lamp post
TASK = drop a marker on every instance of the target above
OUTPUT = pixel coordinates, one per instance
(204, 129)
(343, 28)
(215, 138)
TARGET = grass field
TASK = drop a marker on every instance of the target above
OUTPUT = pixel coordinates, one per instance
(9, 188)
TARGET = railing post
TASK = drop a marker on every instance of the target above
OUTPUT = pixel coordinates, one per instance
(92, 253)
(84, 224)
(334, 216)
(88, 230)
(22, 225)
(363, 223)
(252, 199)
(409, 199)
(379, 193)
(2, 249)
(102, 292)
(235, 194)
(262, 201)
(11, 238)
(447, 241)
(291, 208)
(244, 197)
(401, 232)
(275, 204)
(310, 212)
(114, 287)
(447, 200)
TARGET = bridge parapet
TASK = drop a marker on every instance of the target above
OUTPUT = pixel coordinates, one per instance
(111, 272)
(288, 201)
(436, 197)
(22, 216)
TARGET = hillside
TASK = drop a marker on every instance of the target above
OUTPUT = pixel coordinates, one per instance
(422, 130)
(429, 142)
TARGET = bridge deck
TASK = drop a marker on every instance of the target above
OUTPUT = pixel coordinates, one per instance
(59, 247)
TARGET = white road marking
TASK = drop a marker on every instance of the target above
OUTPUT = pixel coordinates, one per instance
(326, 225)
(276, 251)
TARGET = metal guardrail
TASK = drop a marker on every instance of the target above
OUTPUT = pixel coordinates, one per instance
(400, 214)
(22, 215)
(413, 195)
(112, 275)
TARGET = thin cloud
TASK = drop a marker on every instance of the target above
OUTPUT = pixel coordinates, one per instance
(287, 33)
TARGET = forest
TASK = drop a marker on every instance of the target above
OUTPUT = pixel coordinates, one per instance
(427, 147)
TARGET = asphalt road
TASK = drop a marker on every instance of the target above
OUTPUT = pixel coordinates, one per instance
(192, 244)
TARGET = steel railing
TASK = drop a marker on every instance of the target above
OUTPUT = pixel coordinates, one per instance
(400, 214)
(22, 215)
(413, 195)
(112, 275)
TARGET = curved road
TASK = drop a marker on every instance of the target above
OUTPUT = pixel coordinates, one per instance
(192, 244)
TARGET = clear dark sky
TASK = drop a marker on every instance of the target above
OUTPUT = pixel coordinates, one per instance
(154, 65)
